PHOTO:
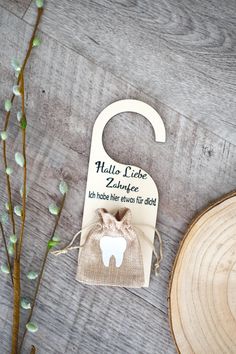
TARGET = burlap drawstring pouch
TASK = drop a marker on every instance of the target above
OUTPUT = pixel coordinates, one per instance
(111, 253)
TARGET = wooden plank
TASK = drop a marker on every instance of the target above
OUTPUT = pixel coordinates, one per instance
(180, 53)
(65, 93)
(16, 7)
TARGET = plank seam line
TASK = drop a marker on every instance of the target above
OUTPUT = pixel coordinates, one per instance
(26, 9)
(10, 12)
(197, 123)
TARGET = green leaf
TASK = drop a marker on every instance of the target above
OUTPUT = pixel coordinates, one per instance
(63, 187)
(32, 275)
(25, 304)
(5, 269)
(18, 210)
(7, 105)
(9, 171)
(21, 191)
(4, 218)
(16, 90)
(16, 65)
(19, 116)
(53, 209)
(19, 158)
(7, 206)
(56, 237)
(52, 243)
(4, 135)
(13, 238)
(39, 3)
(11, 249)
(23, 122)
(37, 42)
(32, 327)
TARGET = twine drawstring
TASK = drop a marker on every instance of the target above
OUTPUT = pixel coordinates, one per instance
(70, 246)
(159, 256)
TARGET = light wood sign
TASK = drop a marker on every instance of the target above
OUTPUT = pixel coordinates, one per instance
(112, 185)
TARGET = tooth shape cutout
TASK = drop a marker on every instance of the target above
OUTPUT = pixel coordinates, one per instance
(112, 246)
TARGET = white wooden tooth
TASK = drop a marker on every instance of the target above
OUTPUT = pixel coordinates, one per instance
(113, 246)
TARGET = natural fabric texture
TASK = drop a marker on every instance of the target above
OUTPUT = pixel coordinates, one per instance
(91, 268)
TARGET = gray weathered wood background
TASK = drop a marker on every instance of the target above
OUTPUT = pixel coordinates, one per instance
(178, 56)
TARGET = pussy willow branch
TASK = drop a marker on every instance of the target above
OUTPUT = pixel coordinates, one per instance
(23, 129)
(42, 269)
(30, 46)
(16, 306)
(6, 250)
(16, 268)
(16, 264)
(7, 118)
(4, 148)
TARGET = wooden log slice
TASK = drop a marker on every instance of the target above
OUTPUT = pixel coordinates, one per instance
(202, 294)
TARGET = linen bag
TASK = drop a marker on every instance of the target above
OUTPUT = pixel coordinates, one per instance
(111, 254)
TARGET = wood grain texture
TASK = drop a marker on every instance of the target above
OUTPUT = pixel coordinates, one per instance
(203, 282)
(17, 7)
(180, 53)
(65, 93)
